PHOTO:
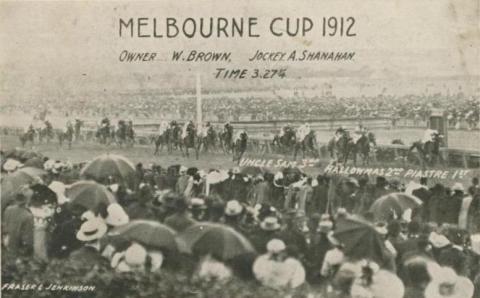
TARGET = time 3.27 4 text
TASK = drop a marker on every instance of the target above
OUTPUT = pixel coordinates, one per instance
(247, 73)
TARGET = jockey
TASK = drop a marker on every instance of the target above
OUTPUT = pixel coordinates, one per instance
(303, 131)
(429, 135)
(339, 133)
(359, 131)
(228, 128)
(163, 127)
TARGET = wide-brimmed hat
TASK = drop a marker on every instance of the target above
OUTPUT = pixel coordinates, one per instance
(11, 165)
(475, 243)
(59, 188)
(136, 254)
(447, 284)
(197, 203)
(92, 229)
(458, 187)
(233, 208)
(276, 246)
(116, 215)
(438, 240)
(325, 225)
(270, 223)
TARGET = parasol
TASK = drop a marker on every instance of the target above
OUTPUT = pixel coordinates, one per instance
(216, 239)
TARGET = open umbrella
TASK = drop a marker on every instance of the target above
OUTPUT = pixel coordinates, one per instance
(35, 162)
(13, 182)
(90, 195)
(147, 232)
(33, 171)
(219, 240)
(396, 203)
(360, 239)
(110, 165)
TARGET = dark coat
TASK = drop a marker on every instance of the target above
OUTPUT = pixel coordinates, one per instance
(18, 225)
(319, 199)
(449, 208)
(424, 195)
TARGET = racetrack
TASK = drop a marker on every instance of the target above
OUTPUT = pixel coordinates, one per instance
(144, 154)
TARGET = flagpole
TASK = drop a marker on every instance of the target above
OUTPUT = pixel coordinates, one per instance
(199, 101)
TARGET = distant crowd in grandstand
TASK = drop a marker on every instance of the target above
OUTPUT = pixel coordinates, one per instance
(462, 111)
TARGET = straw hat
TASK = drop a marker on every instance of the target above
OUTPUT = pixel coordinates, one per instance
(458, 187)
(135, 255)
(276, 246)
(270, 223)
(92, 229)
(197, 203)
(438, 240)
(233, 208)
(446, 283)
(59, 189)
(11, 165)
(116, 215)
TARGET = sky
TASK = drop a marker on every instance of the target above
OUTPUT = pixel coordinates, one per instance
(71, 46)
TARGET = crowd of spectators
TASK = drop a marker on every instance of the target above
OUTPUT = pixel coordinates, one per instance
(291, 219)
(461, 110)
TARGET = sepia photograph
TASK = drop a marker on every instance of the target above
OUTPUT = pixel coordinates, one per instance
(324, 149)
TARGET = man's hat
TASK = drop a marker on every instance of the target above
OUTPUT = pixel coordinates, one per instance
(270, 223)
(92, 229)
(276, 246)
(233, 208)
(116, 215)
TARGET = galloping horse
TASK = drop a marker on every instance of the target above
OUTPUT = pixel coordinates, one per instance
(163, 140)
(46, 132)
(226, 139)
(103, 134)
(429, 150)
(121, 133)
(284, 141)
(308, 143)
(208, 139)
(66, 136)
(239, 145)
(28, 136)
(340, 147)
(363, 146)
(189, 139)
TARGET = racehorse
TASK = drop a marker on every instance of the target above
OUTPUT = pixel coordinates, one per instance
(226, 140)
(363, 146)
(284, 142)
(78, 127)
(121, 133)
(130, 134)
(307, 144)
(429, 151)
(208, 140)
(189, 139)
(239, 146)
(28, 136)
(46, 133)
(66, 136)
(163, 140)
(103, 134)
(340, 147)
